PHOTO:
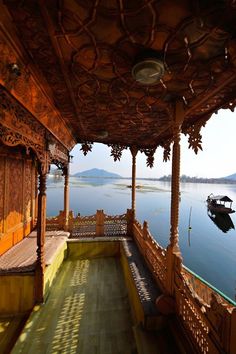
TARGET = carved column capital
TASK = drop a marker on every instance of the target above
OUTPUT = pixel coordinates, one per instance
(133, 150)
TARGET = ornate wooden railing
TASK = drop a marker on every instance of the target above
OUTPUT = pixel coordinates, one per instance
(211, 322)
(153, 253)
(206, 315)
(56, 222)
(83, 226)
(98, 224)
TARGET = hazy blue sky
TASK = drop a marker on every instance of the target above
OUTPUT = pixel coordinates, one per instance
(217, 159)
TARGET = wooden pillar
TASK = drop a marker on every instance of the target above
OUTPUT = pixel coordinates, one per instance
(175, 184)
(41, 229)
(134, 152)
(100, 218)
(130, 222)
(66, 196)
(173, 251)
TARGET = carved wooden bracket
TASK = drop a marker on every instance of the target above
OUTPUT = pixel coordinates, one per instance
(150, 156)
(195, 137)
(116, 151)
(166, 146)
(17, 79)
(86, 147)
(19, 127)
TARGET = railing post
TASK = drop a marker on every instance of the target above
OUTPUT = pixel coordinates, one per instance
(145, 230)
(173, 250)
(100, 217)
(134, 152)
(41, 228)
(70, 221)
(130, 222)
(66, 196)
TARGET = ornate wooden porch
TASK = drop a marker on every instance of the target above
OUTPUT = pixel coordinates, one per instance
(130, 74)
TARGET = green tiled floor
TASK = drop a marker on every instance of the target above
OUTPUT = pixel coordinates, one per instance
(87, 311)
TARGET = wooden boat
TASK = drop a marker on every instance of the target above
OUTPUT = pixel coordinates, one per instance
(217, 204)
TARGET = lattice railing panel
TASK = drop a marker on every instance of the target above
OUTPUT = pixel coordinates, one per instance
(55, 223)
(192, 315)
(153, 253)
(83, 226)
(115, 225)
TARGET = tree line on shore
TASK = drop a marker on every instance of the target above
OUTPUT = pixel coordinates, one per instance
(188, 179)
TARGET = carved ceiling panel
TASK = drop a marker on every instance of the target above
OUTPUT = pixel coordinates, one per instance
(86, 49)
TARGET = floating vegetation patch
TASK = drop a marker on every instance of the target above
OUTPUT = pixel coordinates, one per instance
(158, 211)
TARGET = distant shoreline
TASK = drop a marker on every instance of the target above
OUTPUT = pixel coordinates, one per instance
(168, 179)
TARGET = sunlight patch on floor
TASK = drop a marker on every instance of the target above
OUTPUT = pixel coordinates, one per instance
(87, 312)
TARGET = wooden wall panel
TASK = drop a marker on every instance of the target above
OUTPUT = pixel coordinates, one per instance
(17, 196)
(14, 205)
(27, 185)
(2, 180)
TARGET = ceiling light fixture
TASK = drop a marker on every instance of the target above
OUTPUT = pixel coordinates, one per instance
(148, 68)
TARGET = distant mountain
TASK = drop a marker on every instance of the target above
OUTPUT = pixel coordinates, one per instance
(96, 172)
(232, 177)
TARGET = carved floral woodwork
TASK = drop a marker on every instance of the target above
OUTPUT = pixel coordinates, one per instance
(116, 151)
(15, 194)
(87, 69)
(167, 148)
(150, 156)
(86, 147)
(27, 189)
(19, 127)
(24, 87)
(194, 135)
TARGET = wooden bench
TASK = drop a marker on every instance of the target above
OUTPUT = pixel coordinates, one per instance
(142, 288)
(17, 266)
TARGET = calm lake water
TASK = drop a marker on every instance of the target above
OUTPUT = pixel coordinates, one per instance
(206, 249)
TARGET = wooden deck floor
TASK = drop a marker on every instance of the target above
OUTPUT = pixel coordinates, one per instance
(10, 328)
(87, 312)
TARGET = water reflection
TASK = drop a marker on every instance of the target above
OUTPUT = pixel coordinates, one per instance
(222, 221)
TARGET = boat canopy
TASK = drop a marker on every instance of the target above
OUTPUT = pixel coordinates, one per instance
(222, 198)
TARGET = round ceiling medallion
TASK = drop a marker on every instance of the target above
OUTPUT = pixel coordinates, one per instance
(148, 71)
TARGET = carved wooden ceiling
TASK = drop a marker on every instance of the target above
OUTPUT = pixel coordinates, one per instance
(85, 50)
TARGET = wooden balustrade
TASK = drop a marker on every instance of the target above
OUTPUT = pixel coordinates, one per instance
(154, 254)
(97, 225)
(208, 318)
